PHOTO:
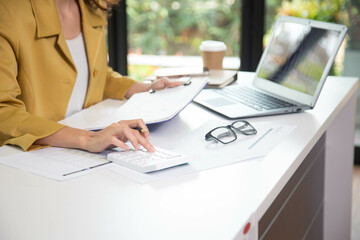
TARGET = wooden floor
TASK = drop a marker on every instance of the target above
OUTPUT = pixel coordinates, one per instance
(355, 235)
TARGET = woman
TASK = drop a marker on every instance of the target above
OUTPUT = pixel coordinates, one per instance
(53, 63)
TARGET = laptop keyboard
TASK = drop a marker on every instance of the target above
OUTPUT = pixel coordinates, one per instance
(254, 99)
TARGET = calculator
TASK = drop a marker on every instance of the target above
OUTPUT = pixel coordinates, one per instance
(143, 161)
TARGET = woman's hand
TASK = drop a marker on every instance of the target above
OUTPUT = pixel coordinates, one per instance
(115, 135)
(162, 83)
(158, 84)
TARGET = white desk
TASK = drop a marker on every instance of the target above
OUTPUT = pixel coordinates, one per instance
(211, 204)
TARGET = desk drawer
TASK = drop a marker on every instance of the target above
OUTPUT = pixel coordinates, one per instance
(297, 212)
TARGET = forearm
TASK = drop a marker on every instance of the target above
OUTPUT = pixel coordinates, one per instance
(136, 88)
(111, 136)
(67, 137)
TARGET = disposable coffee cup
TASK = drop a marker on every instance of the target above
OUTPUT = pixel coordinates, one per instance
(212, 53)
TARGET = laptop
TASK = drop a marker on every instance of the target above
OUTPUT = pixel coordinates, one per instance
(290, 75)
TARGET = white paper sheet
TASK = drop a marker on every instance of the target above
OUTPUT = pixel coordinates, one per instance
(62, 164)
(56, 163)
(202, 155)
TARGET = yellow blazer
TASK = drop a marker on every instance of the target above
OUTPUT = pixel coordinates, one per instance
(37, 73)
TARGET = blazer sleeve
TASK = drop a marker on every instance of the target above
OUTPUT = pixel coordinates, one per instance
(17, 126)
(117, 85)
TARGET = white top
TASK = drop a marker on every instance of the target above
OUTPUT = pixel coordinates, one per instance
(78, 54)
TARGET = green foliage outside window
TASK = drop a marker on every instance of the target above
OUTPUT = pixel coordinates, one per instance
(325, 10)
(165, 27)
(162, 27)
(335, 11)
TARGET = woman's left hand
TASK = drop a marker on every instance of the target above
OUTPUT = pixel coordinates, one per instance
(162, 83)
(158, 84)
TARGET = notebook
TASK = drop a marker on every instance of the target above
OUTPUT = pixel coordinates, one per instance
(290, 75)
(221, 78)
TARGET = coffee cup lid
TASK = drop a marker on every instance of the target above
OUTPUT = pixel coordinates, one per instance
(212, 46)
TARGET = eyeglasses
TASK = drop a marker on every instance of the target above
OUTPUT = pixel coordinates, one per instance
(227, 134)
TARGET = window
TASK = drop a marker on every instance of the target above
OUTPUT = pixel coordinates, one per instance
(168, 33)
(165, 33)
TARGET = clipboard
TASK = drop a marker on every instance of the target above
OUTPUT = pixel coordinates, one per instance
(161, 106)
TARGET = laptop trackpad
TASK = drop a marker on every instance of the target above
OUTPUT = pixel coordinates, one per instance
(218, 102)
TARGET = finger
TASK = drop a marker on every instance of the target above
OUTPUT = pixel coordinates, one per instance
(118, 143)
(122, 131)
(168, 83)
(174, 84)
(145, 131)
(160, 84)
(136, 139)
(136, 123)
(133, 136)
(147, 145)
(140, 124)
(126, 132)
(146, 135)
(164, 80)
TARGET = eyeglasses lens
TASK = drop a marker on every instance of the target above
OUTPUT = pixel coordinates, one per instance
(244, 127)
(224, 134)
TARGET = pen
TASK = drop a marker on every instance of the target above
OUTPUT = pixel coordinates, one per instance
(141, 130)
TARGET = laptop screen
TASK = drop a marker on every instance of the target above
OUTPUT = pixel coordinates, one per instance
(298, 55)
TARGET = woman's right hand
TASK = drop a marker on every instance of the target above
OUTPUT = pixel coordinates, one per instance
(115, 135)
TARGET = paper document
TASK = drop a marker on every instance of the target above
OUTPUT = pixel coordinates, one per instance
(57, 163)
(202, 154)
(63, 164)
(160, 106)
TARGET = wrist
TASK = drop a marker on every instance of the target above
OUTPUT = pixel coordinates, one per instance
(136, 88)
(85, 137)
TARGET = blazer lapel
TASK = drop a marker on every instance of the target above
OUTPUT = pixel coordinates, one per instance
(91, 20)
(93, 24)
(48, 24)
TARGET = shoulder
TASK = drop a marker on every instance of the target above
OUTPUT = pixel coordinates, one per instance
(15, 7)
(14, 13)
(95, 17)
